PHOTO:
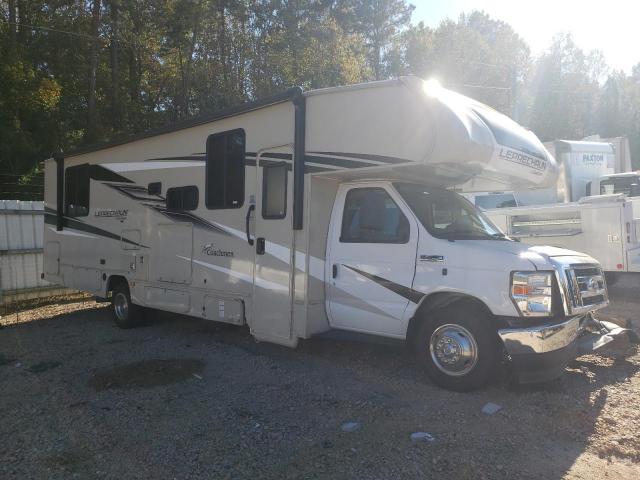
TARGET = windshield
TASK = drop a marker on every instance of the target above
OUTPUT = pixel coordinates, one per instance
(446, 214)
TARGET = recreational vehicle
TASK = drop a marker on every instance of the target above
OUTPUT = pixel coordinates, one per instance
(329, 209)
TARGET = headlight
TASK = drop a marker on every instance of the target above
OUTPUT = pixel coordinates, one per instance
(531, 292)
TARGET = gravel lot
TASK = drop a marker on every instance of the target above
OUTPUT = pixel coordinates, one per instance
(185, 398)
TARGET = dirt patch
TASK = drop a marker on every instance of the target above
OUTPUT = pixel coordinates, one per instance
(4, 360)
(262, 411)
(43, 366)
(147, 374)
(65, 459)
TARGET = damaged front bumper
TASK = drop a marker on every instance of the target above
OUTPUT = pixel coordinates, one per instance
(541, 353)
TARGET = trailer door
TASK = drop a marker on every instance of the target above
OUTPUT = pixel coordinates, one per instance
(273, 242)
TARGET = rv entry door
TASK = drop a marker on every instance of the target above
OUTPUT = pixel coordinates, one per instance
(273, 243)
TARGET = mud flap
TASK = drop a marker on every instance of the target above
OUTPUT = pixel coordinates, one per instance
(599, 333)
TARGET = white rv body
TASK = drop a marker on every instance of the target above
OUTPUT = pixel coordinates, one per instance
(276, 256)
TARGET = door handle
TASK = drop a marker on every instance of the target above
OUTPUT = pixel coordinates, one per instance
(249, 210)
(260, 245)
(334, 271)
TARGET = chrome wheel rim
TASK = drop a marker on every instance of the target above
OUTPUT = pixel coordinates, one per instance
(453, 349)
(121, 306)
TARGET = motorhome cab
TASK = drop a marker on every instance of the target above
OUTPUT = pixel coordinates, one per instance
(329, 209)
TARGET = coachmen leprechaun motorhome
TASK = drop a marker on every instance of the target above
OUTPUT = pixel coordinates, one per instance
(328, 209)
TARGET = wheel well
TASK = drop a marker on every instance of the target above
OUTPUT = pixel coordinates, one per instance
(115, 280)
(438, 301)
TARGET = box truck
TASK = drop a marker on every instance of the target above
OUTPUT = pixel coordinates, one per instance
(329, 209)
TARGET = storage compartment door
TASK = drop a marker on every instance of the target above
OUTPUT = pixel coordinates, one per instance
(171, 253)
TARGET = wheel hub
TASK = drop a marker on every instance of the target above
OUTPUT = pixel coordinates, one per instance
(453, 349)
(121, 306)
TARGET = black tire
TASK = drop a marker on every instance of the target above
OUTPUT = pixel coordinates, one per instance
(467, 330)
(125, 313)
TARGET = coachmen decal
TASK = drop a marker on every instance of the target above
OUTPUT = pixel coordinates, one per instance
(110, 212)
(523, 159)
(210, 249)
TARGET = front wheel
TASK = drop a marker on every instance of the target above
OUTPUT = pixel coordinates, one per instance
(457, 347)
(125, 313)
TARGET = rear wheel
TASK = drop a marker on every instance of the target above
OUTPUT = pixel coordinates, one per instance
(457, 347)
(125, 313)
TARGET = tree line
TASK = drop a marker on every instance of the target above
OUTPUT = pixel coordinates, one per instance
(74, 73)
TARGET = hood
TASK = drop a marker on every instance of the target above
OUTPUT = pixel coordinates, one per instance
(539, 256)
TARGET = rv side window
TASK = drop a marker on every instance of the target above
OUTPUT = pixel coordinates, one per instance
(225, 170)
(76, 191)
(274, 191)
(182, 198)
(371, 216)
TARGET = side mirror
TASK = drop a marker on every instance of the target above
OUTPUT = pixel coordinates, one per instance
(634, 191)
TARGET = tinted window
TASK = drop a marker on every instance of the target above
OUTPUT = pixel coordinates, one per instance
(225, 170)
(371, 216)
(154, 188)
(76, 191)
(274, 191)
(182, 198)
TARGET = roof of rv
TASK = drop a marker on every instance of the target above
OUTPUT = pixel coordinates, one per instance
(582, 146)
(288, 95)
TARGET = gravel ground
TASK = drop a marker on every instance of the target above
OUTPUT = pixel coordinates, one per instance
(186, 398)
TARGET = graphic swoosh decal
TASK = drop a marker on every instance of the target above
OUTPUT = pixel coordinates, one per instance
(406, 292)
(83, 227)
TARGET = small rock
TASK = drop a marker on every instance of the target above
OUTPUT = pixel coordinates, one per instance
(491, 408)
(422, 437)
(350, 426)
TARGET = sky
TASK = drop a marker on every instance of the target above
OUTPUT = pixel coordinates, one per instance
(611, 26)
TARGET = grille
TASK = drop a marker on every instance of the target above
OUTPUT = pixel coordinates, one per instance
(587, 286)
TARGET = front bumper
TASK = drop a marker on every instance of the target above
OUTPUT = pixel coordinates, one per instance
(541, 353)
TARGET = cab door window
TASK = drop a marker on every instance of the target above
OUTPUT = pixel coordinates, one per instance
(371, 216)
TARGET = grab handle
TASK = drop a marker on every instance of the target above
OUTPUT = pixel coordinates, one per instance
(249, 210)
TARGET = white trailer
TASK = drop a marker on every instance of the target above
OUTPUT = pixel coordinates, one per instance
(326, 209)
(602, 226)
